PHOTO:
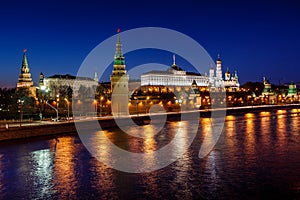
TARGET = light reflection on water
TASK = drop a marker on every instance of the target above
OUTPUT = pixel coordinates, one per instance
(64, 167)
(42, 162)
(1, 174)
(255, 157)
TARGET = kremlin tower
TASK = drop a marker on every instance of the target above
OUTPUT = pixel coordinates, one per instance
(25, 81)
(119, 83)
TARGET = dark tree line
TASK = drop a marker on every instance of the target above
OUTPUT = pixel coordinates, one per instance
(12, 101)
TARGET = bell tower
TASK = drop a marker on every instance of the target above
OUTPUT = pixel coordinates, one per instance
(219, 78)
(219, 68)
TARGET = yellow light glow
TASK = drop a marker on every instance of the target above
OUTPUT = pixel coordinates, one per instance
(249, 115)
(265, 114)
(230, 118)
(281, 111)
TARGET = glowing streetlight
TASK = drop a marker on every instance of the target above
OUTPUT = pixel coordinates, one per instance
(101, 98)
(21, 102)
(146, 103)
(136, 102)
(68, 103)
(57, 103)
(96, 106)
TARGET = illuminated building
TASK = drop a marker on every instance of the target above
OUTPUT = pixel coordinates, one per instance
(175, 76)
(268, 95)
(292, 92)
(25, 81)
(292, 89)
(229, 82)
(267, 91)
(58, 83)
(119, 83)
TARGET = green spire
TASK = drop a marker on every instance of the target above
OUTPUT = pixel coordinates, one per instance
(24, 61)
(119, 58)
(25, 76)
(119, 39)
(25, 68)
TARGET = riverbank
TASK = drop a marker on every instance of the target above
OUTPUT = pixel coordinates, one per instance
(57, 128)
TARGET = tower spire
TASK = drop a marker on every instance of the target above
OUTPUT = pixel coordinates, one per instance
(219, 69)
(119, 59)
(24, 61)
(119, 82)
(174, 60)
(25, 80)
(96, 77)
(119, 40)
(119, 63)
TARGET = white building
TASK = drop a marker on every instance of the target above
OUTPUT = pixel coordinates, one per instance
(55, 83)
(175, 76)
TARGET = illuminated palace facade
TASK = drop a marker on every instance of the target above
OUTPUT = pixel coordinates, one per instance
(56, 83)
(175, 76)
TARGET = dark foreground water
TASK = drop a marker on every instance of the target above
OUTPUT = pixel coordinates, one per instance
(256, 157)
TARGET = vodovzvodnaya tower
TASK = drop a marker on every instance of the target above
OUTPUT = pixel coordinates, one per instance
(119, 83)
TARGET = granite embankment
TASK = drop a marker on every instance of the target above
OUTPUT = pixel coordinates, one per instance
(56, 128)
(106, 123)
(36, 131)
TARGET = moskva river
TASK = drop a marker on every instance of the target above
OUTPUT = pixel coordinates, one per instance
(256, 157)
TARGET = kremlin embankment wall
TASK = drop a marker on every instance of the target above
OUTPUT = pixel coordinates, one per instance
(69, 127)
(61, 128)
(36, 131)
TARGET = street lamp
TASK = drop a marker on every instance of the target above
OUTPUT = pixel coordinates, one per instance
(57, 100)
(43, 92)
(53, 109)
(136, 103)
(21, 102)
(147, 102)
(68, 103)
(96, 106)
(101, 98)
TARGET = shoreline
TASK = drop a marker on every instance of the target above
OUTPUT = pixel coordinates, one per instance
(56, 129)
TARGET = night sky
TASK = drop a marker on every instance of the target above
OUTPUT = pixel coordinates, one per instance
(258, 38)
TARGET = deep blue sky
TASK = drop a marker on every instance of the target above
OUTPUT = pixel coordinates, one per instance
(256, 37)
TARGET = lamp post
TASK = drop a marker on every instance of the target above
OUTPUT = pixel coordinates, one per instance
(44, 92)
(53, 109)
(96, 107)
(57, 101)
(21, 102)
(147, 98)
(101, 98)
(68, 103)
(136, 103)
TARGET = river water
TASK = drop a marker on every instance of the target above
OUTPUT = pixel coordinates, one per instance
(256, 157)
